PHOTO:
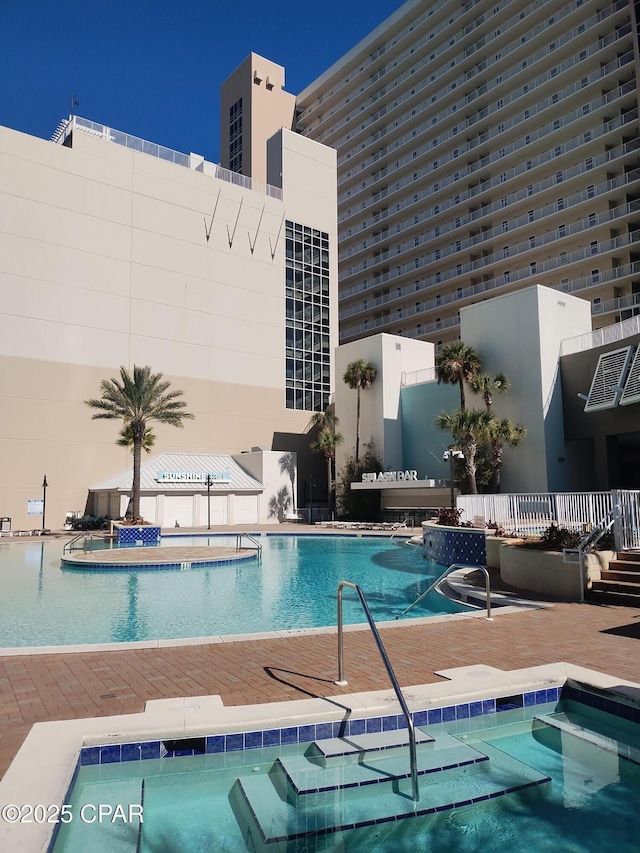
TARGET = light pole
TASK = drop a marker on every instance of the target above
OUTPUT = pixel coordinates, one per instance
(451, 455)
(208, 501)
(44, 499)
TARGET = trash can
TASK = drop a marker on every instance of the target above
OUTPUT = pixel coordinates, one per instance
(5, 524)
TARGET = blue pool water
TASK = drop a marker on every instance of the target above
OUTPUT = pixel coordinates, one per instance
(581, 802)
(293, 587)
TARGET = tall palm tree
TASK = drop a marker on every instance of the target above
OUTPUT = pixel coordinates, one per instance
(488, 385)
(326, 419)
(326, 444)
(361, 375)
(126, 438)
(456, 364)
(502, 433)
(139, 398)
(469, 427)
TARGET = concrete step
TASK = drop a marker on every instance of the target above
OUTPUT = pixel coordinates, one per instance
(620, 573)
(616, 587)
(358, 746)
(581, 728)
(622, 565)
(629, 556)
(609, 595)
(269, 817)
(303, 778)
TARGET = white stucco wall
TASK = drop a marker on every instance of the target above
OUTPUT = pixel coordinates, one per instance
(392, 356)
(520, 334)
(105, 261)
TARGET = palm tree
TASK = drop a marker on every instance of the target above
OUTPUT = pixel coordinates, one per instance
(326, 419)
(360, 374)
(468, 427)
(456, 364)
(126, 438)
(138, 399)
(288, 466)
(502, 432)
(326, 444)
(488, 385)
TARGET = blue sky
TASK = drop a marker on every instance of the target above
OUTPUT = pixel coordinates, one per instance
(153, 68)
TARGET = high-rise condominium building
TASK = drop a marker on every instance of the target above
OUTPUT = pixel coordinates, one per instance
(483, 147)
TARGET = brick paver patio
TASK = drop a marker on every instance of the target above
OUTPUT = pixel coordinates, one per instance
(87, 684)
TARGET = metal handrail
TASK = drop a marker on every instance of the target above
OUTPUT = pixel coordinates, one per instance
(443, 576)
(404, 524)
(256, 544)
(394, 681)
(588, 542)
(86, 536)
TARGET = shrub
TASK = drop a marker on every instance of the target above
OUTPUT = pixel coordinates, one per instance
(449, 516)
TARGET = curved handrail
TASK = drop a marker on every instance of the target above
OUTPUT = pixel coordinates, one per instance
(84, 535)
(256, 544)
(394, 681)
(443, 576)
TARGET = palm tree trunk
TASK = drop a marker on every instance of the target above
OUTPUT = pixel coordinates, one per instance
(470, 451)
(358, 425)
(462, 400)
(329, 488)
(138, 429)
(135, 485)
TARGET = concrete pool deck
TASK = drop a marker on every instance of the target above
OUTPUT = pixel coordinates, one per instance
(87, 684)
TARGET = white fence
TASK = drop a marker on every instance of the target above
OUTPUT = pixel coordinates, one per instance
(534, 512)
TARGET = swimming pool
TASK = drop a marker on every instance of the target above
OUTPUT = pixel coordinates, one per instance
(555, 769)
(293, 587)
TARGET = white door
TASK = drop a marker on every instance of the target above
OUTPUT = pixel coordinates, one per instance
(148, 508)
(178, 508)
(245, 509)
(218, 510)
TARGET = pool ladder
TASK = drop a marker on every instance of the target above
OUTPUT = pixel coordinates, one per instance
(255, 544)
(438, 580)
(84, 538)
(394, 681)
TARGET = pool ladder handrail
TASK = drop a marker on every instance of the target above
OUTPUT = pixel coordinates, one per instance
(86, 537)
(443, 576)
(394, 681)
(257, 546)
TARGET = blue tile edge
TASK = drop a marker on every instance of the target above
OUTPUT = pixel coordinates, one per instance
(235, 741)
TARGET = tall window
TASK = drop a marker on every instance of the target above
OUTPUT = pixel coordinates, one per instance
(235, 136)
(308, 354)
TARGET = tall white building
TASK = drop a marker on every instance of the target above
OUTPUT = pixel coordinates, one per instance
(117, 251)
(483, 147)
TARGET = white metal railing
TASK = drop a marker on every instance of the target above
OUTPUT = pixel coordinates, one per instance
(607, 335)
(416, 377)
(626, 527)
(145, 147)
(534, 512)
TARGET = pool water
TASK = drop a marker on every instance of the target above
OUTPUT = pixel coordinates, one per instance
(589, 804)
(293, 587)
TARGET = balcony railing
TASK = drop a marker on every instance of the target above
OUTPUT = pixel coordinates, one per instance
(109, 134)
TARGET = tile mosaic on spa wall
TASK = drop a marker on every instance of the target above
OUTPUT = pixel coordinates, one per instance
(447, 545)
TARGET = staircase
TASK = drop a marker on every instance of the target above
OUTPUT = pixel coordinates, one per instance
(620, 583)
(362, 781)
